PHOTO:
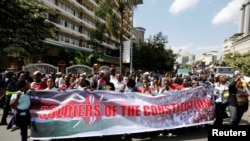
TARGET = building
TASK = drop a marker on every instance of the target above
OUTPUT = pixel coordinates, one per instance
(141, 30)
(209, 57)
(240, 42)
(188, 58)
(74, 20)
(227, 46)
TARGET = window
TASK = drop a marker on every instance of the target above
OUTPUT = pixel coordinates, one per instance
(52, 1)
(66, 39)
(61, 38)
(61, 22)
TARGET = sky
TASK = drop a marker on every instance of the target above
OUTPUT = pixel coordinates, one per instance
(194, 26)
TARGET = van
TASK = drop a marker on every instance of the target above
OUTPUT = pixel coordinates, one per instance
(223, 70)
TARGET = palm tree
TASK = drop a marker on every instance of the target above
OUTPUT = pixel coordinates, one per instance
(114, 20)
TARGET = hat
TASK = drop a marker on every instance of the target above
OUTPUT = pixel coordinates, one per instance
(36, 73)
(146, 73)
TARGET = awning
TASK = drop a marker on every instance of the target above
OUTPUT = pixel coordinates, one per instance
(112, 60)
(60, 44)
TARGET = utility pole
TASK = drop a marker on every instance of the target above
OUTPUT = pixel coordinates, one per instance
(131, 42)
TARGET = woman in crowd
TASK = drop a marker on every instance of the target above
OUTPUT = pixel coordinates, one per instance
(237, 108)
(130, 84)
(21, 103)
(155, 87)
(144, 88)
(51, 84)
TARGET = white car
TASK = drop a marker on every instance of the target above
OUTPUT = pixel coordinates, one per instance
(223, 70)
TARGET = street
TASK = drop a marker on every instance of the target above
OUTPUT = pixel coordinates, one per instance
(198, 133)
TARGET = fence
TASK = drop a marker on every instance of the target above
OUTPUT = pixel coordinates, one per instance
(48, 68)
(42, 67)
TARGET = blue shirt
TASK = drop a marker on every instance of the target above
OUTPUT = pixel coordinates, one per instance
(23, 102)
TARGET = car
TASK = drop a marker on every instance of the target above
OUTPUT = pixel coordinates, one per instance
(224, 70)
(183, 71)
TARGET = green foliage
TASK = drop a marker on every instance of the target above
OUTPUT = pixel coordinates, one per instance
(106, 12)
(239, 61)
(153, 55)
(114, 19)
(23, 28)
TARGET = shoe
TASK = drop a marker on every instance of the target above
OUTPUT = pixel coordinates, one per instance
(14, 128)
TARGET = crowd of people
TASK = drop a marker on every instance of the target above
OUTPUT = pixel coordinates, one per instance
(227, 94)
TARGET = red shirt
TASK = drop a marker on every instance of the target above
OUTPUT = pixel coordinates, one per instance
(174, 86)
(38, 86)
(141, 90)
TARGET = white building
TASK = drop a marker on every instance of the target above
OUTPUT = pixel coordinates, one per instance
(74, 20)
(209, 57)
(188, 58)
(240, 42)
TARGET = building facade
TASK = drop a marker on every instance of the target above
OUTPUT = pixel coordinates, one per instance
(240, 41)
(209, 57)
(74, 20)
(188, 58)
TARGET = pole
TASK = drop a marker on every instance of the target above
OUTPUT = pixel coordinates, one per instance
(131, 43)
(233, 51)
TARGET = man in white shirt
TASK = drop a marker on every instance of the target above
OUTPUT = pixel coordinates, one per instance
(119, 84)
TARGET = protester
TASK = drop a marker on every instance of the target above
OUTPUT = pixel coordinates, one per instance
(38, 84)
(10, 85)
(237, 109)
(51, 84)
(166, 86)
(221, 99)
(83, 83)
(145, 87)
(119, 83)
(105, 84)
(155, 85)
(130, 84)
(21, 103)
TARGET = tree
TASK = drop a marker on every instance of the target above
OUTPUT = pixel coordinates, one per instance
(159, 58)
(96, 39)
(23, 28)
(114, 22)
(240, 61)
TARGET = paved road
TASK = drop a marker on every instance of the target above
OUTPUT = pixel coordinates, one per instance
(184, 134)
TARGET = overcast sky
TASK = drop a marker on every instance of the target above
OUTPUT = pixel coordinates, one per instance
(194, 26)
